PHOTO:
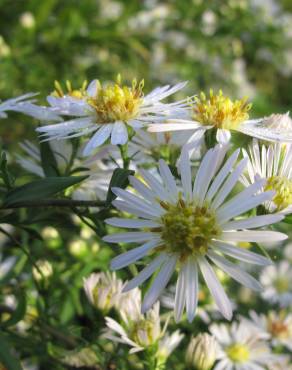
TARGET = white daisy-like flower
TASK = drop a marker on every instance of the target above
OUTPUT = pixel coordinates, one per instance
(241, 348)
(168, 344)
(276, 326)
(103, 290)
(136, 330)
(274, 163)
(277, 280)
(224, 115)
(189, 228)
(109, 111)
(93, 188)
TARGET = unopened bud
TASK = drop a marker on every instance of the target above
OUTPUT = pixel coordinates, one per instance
(202, 352)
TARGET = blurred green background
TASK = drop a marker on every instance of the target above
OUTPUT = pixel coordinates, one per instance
(241, 46)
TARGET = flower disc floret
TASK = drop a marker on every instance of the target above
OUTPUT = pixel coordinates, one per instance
(188, 228)
(238, 353)
(283, 188)
(116, 102)
(220, 110)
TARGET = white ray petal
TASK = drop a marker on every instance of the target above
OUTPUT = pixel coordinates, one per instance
(130, 237)
(235, 272)
(98, 139)
(215, 288)
(133, 255)
(259, 236)
(192, 289)
(180, 294)
(146, 272)
(241, 254)
(119, 134)
(131, 223)
(253, 222)
(168, 179)
(159, 283)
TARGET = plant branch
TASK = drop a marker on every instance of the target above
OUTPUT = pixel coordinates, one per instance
(56, 203)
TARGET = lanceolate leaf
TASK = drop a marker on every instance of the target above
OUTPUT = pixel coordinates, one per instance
(49, 163)
(40, 189)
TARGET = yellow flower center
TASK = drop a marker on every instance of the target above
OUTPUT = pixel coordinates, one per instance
(283, 188)
(220, 110)
(238, 353)
(282, 285)
(188, 229)
(74, 93)
(116, 102)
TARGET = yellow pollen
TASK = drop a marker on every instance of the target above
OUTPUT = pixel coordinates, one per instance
(116, 102)
(238, 353)
(220, 110)
(74, 93)
(188, 229)
(283, 188)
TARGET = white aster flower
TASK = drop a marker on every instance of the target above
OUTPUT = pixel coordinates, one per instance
(188, 228)
(274, 163)
(136, 330)
(241, 348)
(103, 290)
(277, 280)
(93, 188)
(276, 326)
(168, 344)
(224, 115)
(109, 111)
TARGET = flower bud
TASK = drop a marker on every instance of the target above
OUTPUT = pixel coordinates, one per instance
(42, 271)
(202, 352)
(103, 290)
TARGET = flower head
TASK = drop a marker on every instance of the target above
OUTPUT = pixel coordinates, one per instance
(187, 225)
(225, 115)
(241, 347)
(220, 110)
(110, 110)
(276, 280)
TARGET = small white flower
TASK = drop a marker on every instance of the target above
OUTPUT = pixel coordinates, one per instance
(109, 111)
(189, 228)
(241, 348)
(276, 326)
(136, 330)
(103, 290)
(277, 280)
(224, 115)
(273, 163)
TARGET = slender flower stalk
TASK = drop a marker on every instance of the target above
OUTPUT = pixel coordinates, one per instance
(188, 225)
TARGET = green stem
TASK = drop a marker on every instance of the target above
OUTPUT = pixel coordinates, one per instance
(124, 155)
(55, 203)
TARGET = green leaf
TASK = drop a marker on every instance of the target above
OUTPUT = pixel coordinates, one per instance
(120, 179)
(48, 160)
(6, 176)
(40, 189)
(18, 313)
(8, 360)
(288, 219)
